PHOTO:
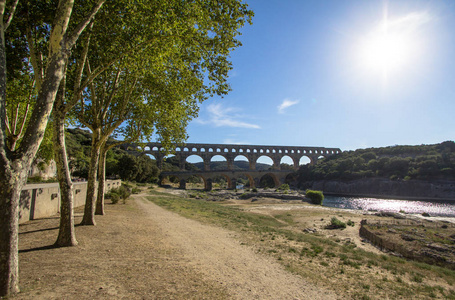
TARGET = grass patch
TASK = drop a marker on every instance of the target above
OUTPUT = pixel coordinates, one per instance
(314, 256)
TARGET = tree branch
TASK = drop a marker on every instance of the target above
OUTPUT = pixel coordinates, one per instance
(71, 39)
(11, 15)
(111, 96)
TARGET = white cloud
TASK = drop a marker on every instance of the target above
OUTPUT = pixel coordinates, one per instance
(286, 103)
(235, 142)
(221, 116)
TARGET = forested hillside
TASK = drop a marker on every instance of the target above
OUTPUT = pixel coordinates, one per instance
(119, 164)
(425, 162)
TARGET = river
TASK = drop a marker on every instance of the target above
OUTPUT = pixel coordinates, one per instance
(433, 208)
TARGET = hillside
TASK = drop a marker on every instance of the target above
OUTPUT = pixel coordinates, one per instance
(405, 172)
(425, 162)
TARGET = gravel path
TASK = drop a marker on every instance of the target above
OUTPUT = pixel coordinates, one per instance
(141, 251)
(215, 253)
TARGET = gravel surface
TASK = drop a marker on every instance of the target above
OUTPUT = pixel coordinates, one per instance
(141, 251)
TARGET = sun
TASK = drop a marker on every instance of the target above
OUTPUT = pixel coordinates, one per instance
(386, 50)
(394, 43)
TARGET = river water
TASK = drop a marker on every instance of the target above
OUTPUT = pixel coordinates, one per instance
(435, 209)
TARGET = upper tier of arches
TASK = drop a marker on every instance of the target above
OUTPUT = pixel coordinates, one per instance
(230, 152)
(226, 148)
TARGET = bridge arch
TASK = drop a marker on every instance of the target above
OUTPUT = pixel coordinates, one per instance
(265, 159)
(264, 182)
(305, 160)
(286, 162)
(241, 157)
(250, 179)
(230, 153)
(194, 159)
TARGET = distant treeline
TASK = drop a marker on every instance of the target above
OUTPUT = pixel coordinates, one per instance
(424, 162)
(119, 163)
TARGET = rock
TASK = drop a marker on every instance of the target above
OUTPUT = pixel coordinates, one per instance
(431, 254)
(407, 237)
(437, 247)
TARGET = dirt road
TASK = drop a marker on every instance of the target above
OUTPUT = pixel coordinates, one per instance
(141, 251)
(215, 253)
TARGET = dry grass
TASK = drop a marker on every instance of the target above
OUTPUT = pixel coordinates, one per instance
(293, 233)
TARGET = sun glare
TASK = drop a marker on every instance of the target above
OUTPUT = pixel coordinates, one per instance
(386, 52)
(393, 44)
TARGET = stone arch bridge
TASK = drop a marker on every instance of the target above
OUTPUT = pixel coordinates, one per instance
(230, 152)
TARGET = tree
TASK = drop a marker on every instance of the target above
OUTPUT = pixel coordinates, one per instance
(180, 58)
(62, 34)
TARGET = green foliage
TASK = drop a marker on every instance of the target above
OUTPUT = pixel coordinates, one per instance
(396, 163)
(350, 223)
(316, 197)
(284, 187)
(115, 194)
(336, 224)
(119, 163)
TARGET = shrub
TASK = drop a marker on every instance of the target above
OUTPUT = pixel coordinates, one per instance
(284, 187)
(115, 198)
(255, 190)
(34, 179)
(335, 224)
(127, 185)
(136, 190)
(244, 196)
(116, 194)
(316, 197)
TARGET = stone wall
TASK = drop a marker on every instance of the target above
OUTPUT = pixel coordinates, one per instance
(379, 187)
(427, 251)
(43, 200)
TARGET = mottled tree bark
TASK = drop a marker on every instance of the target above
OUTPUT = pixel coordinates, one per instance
(66, 233)
(101, 181)
(90, 201)
(12, 181)
(14, 167)
(15, 163)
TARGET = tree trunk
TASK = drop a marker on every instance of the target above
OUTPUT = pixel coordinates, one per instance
(66, 234)
(90, 201)
(14, 166)
(101, 181)
(12, 182)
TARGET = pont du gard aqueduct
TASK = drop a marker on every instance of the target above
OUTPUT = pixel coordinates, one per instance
(230, 152)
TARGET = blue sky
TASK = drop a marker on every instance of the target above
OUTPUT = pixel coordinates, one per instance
(312, 73)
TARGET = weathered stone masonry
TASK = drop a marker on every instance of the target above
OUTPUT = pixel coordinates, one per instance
(230, 152)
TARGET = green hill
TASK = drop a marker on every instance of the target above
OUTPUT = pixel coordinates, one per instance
(426, 162)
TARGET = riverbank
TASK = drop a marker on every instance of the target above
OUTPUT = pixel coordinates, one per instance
(226, 249)
(436, 190)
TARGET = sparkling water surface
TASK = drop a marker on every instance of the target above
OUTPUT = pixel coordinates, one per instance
(436, 209)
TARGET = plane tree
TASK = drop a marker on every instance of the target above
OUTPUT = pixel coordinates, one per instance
(47, 69)
(180, 59)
